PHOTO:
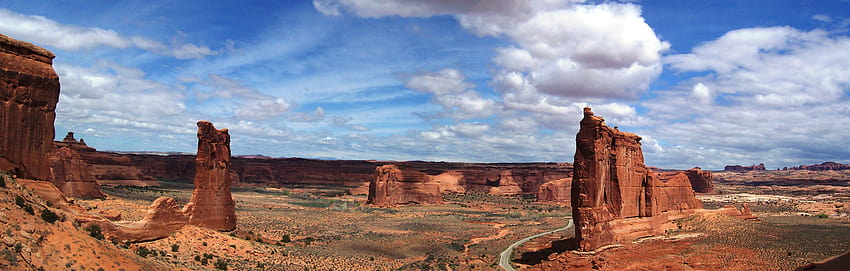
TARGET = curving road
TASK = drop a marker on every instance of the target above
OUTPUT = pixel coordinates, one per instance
(505, 256)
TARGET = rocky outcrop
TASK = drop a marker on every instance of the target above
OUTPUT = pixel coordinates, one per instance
(212, 205)
(450, 182)
(555, 191)
(739, 168)
(71, 174)
(29, 91)
(505, 185)
(614, 195)
(106, 168)
(164, 217)
(822, 166)
(393, 186)
(701, 180)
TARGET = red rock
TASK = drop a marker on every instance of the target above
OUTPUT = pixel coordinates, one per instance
(71, 175)
(614, 195)
(505, 185)
(393, 186)
(106, 168)
(212, 205)
(701, 180)
(759, 167)
(29, 91)
(163, 219)
(555, 191)
(823, 166)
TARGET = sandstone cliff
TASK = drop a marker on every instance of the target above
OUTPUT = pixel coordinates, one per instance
(212, 205)
(822, 166)
(71, 174)
(614, 195)
(555, 191)
(393, 186)
(29, 91)
(106, 168)
(701, 180)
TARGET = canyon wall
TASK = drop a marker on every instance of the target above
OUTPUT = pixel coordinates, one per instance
(393, 186)
(71, 175)
(702, 181)
(822, 167)
(759, 167)
(614, 195)
(555, 191)
(105, 167)
(29, 91)
(212, 205)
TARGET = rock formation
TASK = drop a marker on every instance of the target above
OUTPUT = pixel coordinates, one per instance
(106, 168)
(614, 195)
(823, 166)
(212, 205)
(393, 186)
(450, 182)
(163, 218)
(505, 185)
(701, 180)
(29, 91)
(759, 167)
(71, 174)
(555, 191)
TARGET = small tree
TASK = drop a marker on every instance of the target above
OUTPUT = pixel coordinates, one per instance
(49, 216)
(94, 231)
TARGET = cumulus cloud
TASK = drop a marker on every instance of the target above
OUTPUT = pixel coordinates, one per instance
(251, 103)
(41, 30)
(315, 116)
(453, 93)
(781, 95)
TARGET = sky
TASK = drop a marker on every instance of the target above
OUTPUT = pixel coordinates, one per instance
(704, 83)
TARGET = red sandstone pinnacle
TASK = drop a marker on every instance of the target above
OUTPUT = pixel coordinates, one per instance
(212, 205)
(29, 91)
(392, 186)
(614, 195)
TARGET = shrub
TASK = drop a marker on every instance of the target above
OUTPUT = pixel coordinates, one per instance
(49, 216)
(204, 261)
(175, 248)
(822, 215)
(2, 182)
(221, 264)
(285, 238)
(205, 244)
(18, 247)
(94, 231)
(29, 209)
(20, 201)
(143, 251)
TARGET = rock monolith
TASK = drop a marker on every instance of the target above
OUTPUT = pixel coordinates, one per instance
(614, 195)
(212, 205)
(29, 91)
(393, 186)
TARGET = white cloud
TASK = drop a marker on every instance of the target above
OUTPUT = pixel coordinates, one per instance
(453, 93)
(251, 103)
(702, 93)
(315, 116)
(262, 109)
(44, 31)
(822, 18)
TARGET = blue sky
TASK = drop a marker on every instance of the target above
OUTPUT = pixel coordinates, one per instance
(705, 83)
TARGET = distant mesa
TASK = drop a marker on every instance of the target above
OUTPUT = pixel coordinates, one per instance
(392, 186)
(29, 91)
(105, 168)
(738, 168)
(614, 195)
(822, 167)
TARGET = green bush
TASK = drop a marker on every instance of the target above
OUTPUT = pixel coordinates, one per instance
(221, 264)
(822, 215)
(94, 231)
(29, 209)
(20, 201)
(175, 248)
(49, 216)
(285, 238)
(3, 182)
(143, 251)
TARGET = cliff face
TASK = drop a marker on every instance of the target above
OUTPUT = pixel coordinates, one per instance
(71, 174)
(611, 183)
(106, 168)
(29, 91)
(555, 191)
(393, 186)
(701, 180)
(823, 166)
(212, 205)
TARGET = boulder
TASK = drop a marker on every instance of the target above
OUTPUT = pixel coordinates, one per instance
(614, 195)
(29, 91)
(392, 186)
(212, 205)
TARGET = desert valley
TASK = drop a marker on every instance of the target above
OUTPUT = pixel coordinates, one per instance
(68, 206)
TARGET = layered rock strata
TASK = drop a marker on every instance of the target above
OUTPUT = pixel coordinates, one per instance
(106, 168)
(29, 91)
(393, 186)
(72, 176)
(212, 205)
(164, 217)
(701, 180)
(555, 191)
(614, 195)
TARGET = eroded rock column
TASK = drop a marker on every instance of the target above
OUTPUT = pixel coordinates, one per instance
(212, 204)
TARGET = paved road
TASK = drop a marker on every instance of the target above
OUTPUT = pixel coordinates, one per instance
(505, 256)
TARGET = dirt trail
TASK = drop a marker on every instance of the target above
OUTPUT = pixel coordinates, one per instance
(476, 240)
